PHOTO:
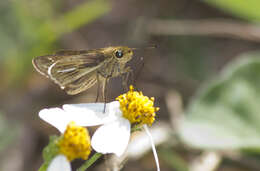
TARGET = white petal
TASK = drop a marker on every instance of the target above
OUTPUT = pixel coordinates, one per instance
(56, 117)
(60, 162)
(112, 137)
(82, 114)
(95, 107)
(92, 114)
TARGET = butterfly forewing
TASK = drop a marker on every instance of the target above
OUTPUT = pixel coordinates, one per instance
(74, 71)
(71, 52)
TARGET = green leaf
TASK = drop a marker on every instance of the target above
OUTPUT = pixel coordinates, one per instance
(226, 112)
(246, 9)
(49, 152)
(36, 31)
(84, 14)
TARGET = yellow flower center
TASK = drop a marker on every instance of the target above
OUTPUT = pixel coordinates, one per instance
(75, 142)
(137, 108)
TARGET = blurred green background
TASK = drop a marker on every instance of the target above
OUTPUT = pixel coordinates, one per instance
(204, 75)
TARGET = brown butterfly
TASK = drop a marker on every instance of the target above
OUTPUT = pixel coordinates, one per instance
(76, 71)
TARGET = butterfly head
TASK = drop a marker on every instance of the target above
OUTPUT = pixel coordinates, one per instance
(122, 53)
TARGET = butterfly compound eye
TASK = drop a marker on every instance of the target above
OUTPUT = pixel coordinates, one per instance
(119, 54)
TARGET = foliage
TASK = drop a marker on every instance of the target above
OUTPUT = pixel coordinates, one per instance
(249, 9)
(32, 28)
(49, 152)
(226, 112)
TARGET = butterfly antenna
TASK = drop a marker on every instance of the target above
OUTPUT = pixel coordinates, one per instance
(148, 47)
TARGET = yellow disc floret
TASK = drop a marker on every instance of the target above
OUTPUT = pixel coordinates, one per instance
(137, 108)
(75, 142)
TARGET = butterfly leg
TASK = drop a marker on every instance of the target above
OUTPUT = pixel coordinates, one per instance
(104, 92)
(104, 89)
(98, 87)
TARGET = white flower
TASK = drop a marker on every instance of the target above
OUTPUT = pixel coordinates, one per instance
(114, 133)
(73, 144)
(112, 137)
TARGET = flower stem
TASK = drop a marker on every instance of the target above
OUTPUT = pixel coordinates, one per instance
(136, 128)
(153, 147)
(89, 162)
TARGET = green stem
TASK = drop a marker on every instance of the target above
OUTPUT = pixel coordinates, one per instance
(89, 162)
(136, 128)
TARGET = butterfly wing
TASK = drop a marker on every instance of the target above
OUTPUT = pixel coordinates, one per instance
(74, 71)
(81, 84)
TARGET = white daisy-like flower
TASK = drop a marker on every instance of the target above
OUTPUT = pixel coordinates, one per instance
(74, 143)
(131, 108)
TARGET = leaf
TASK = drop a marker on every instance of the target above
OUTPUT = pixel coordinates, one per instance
(249, 9)
(49, 152)
(226, 112)
(32, 33)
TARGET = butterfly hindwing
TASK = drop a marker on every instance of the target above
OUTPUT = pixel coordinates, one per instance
(81, 84)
